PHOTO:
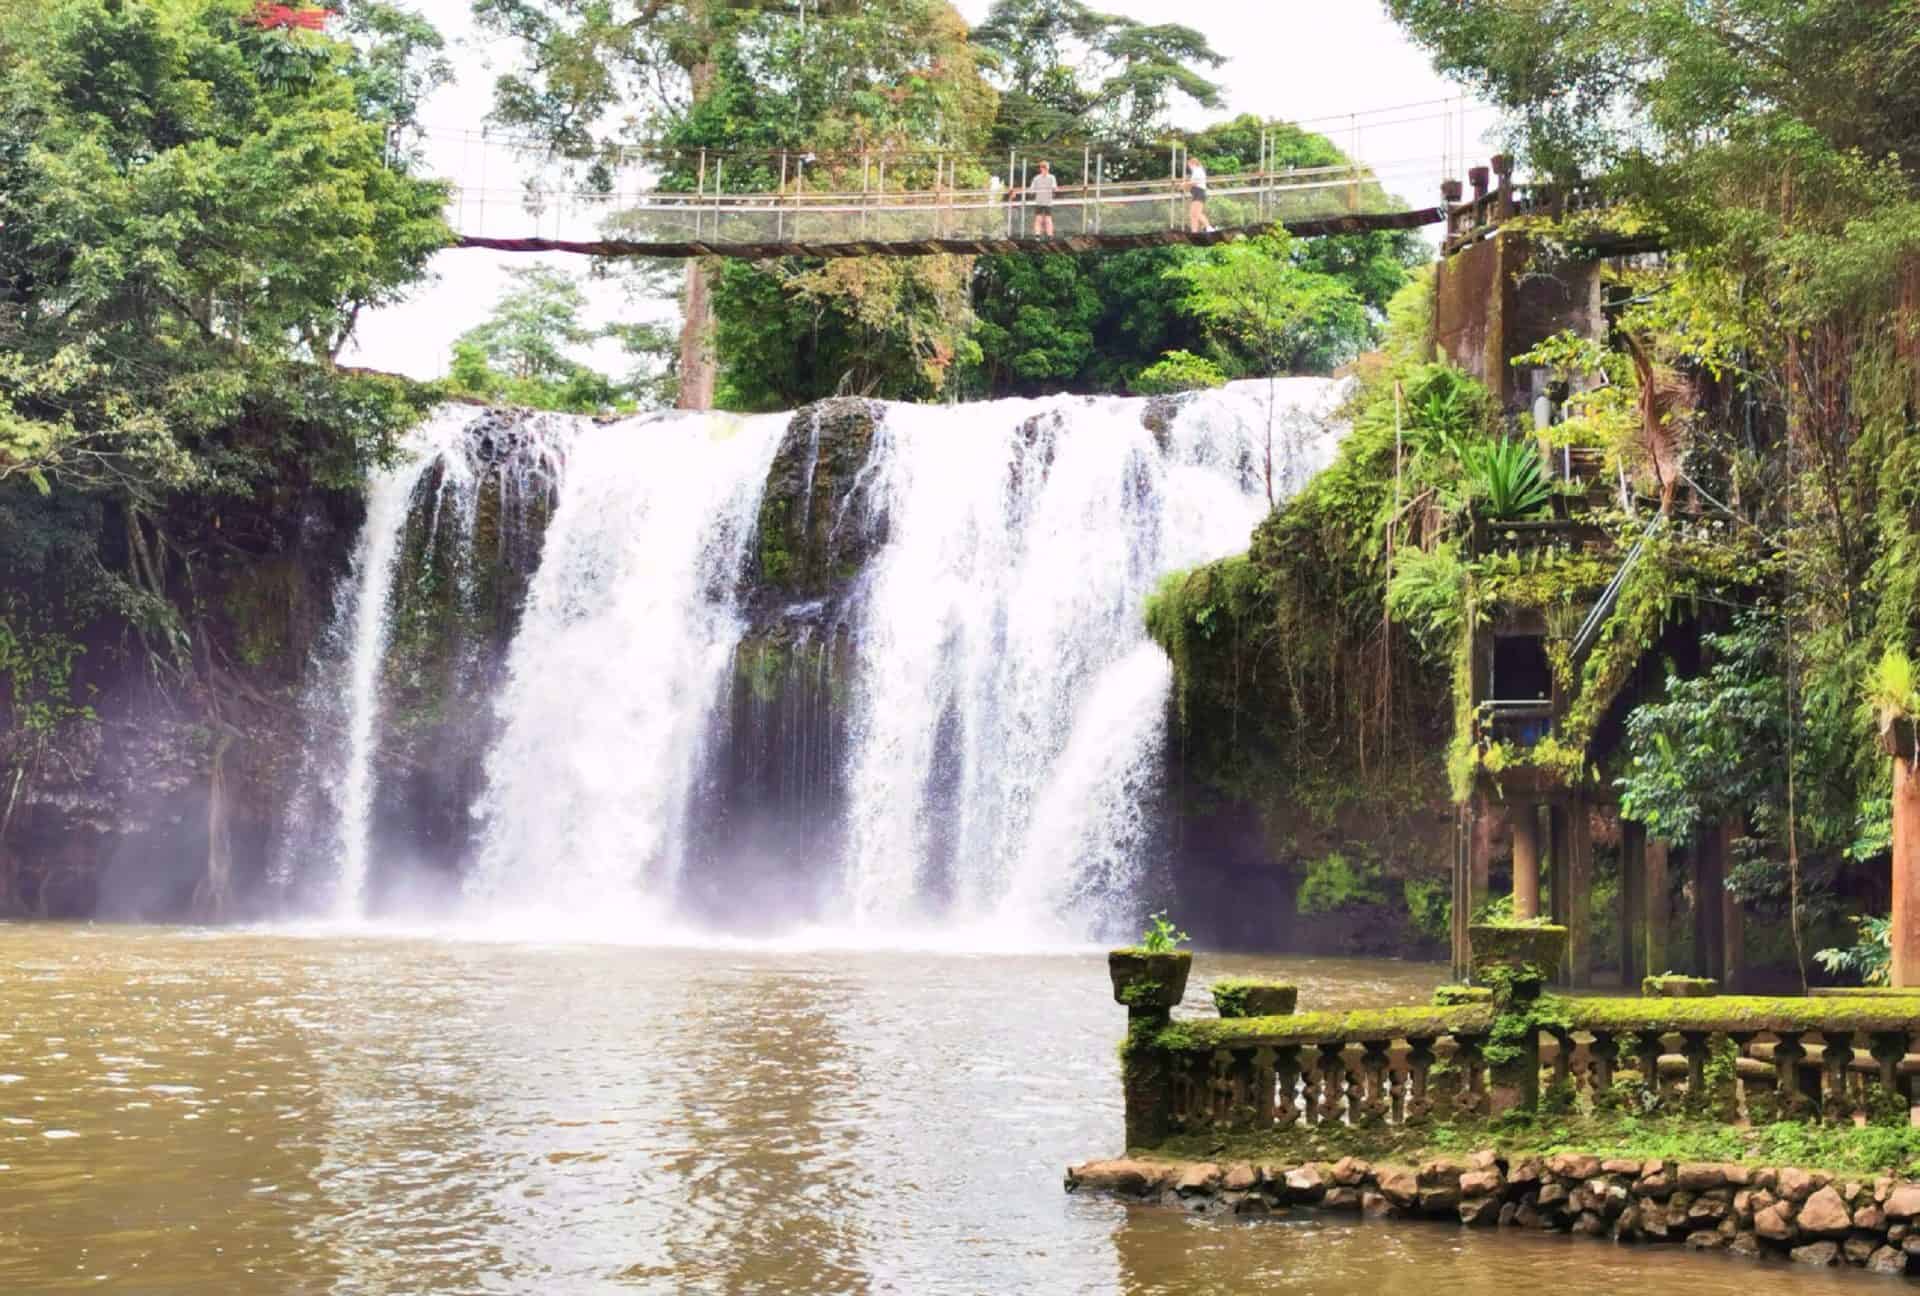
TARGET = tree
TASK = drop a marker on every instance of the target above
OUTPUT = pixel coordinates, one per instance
(1253, 301)
(1068, 71)
(189, 205)
(523, 353)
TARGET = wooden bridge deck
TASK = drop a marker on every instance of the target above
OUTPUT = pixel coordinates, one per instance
(963, 246)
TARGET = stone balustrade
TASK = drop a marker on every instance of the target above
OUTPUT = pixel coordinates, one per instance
(1828, 1059)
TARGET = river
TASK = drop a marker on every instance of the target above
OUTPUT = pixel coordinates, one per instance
(285, 1112)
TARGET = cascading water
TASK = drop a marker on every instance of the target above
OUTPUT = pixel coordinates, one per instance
(1009, 711)
(627, 639)
(948, 716)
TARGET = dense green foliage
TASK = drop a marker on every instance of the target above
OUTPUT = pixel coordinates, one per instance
(194, 210)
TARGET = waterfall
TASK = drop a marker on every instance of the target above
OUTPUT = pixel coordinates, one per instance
(1009, 712)
(619, 664)
(571, 679)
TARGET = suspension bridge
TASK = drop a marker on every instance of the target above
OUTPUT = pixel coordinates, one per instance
(648, 202)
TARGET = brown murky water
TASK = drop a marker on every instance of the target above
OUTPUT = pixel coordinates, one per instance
(265, 1112)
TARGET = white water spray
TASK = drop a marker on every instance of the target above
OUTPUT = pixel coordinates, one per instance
(623, 650)
(1006, 718)
(368, 621)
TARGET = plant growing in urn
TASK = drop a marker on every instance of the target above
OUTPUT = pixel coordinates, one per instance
(1151, 977)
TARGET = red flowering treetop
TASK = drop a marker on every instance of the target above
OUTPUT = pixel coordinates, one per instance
(272, 17)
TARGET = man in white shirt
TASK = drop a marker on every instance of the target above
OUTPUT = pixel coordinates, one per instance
(1042, 187)
(1196, 198)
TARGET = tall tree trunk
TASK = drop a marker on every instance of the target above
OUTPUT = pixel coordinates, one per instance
(698, 366)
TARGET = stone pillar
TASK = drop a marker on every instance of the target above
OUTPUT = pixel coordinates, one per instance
(1579, 894)
(1558, 848)
(1709, 913)
(1655, 887)
(1633, 906)
(1897, 738)
(1525, 820)
(1457, 931)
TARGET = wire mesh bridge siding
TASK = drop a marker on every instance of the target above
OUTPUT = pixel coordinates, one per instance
(659, 204)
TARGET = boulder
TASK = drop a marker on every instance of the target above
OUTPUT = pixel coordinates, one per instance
(1745, 1243)
(1859, 1248)
(1484, 1159)
(1351, 1172)
(1589, 1224)
(1439, 1201)
(1698, 1176)
(1709, 1240)
(1797, 1185)
(1888, 1260)
(1203, 1177)
(1305, 1183)
(1620, 1166)
(1903, 1203)
(1253, 1204)
(1816, 1253)
(1375, 1205)
(1479, 1212)
(1653, 1183)
(1775, 1222)
(1401, 1187)
(1441, 1173)
(1240, 1177)
(1128, 1177)
(1526, 1172)
(1571, 1165)
(1481, 1183)
(1825, 1215)
(1870, 1217)
(1341, 1199)
(1552, 1193)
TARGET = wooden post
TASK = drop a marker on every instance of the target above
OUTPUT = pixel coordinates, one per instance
(1525, 819)
(1633, 905)
(1897, 738)
(1654, 890)
(1579, 894)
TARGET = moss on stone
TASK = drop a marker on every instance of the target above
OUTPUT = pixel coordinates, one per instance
(1678, 987)
(1254, 997)
(1317, 1027)
(1453, 996)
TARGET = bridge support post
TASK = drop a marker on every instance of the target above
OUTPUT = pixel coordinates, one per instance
(1897, 738)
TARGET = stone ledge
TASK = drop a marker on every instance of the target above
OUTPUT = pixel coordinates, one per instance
(1807, 1216)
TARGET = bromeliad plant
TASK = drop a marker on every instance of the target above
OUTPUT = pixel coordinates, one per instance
(1507, 477)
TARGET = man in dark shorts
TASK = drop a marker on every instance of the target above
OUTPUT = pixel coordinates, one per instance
(1042, 187)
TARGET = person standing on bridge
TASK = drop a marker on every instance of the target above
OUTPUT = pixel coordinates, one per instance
(1197, 198)
(1042, 187)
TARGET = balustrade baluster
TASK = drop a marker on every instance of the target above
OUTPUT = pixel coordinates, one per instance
(1888, 1048)
(1220, 1088)
(1243, 1102)
(1647, 1047)
(1262, 1073)
(1837, 1060)
(1693, 1047)
(1417, 1107)
(1472, 1099)
(1286, 1070)
(1377, 1103)
(1562, 1054)
(1787, 1055)
(1333, 1082)
(1605, 1051)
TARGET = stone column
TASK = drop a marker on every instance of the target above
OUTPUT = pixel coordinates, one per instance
(1709, 912)
(1655, 888)
(1525, 819)
(1633, 906)
(1579, 894)
(1897, 738)
(1559, 847)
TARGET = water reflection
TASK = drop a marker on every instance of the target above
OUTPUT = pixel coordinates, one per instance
(256, 1112)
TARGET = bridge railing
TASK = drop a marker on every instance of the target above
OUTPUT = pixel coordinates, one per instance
(797, 215)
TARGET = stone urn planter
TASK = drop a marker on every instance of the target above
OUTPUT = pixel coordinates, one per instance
(1517, 956)
(1252, 997)
(1679, 987)
(1149, 983)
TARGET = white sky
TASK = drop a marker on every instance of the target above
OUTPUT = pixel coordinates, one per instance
(1301, 60)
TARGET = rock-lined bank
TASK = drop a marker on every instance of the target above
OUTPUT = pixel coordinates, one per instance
(1807, 1216)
